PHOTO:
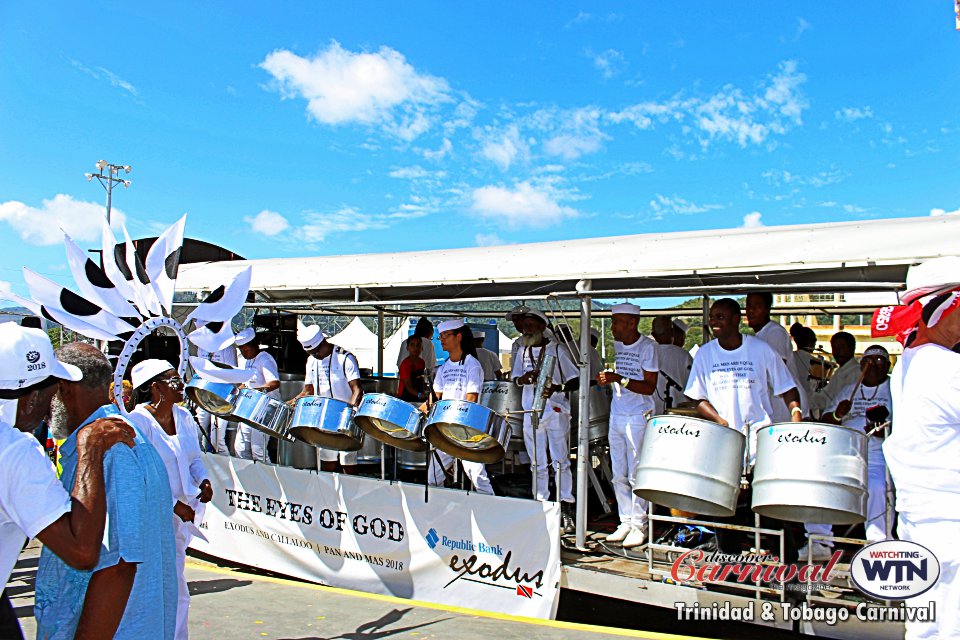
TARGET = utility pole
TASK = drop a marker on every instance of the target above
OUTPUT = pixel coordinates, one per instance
(109, 179)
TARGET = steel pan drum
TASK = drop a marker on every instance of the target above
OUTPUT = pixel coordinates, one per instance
(468, 431)
(811, 472)
(215, 397)
(599, 414)
(325, 422)
(262, 412)
(506, 398)
(690, 464)
(411, 460)
(392, 421)
(370, 452)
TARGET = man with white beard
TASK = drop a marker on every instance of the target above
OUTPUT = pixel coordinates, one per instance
(33, 503)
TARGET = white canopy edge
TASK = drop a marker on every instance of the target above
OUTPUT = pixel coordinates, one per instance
(861, 252)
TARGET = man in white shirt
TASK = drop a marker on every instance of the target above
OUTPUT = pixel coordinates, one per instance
(636, 382)
(488, 359)
(675, 363)
(860, 412)
(33, 503)
(731, 377)
(332, 372)
(214, 425)
(774, 334)
(843, 347)
(923, 451)
(423, 330)
(251, 443)
(553, 427)
(806, 341)
(515, 316)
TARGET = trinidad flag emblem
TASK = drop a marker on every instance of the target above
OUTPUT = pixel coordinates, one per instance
(526, 592)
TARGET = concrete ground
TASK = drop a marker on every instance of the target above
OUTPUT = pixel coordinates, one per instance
(235, 603)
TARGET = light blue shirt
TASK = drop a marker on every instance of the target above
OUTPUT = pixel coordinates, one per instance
(139, 529)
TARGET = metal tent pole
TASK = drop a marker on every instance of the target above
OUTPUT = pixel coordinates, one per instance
(583, 441)
(380, 343)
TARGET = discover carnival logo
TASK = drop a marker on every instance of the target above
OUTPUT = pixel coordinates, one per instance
(894, 569)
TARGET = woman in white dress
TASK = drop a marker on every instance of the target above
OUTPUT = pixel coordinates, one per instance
(174, 434)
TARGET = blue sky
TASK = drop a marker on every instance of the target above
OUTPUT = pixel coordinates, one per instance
(290, 129)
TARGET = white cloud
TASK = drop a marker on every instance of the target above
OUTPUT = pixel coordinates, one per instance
(267, 223)
(6, 288)
(523, 206)
(345, 219)
(571, 147)
(377, 89)
(752, 220)
(415, 172)
(944, 212)
(820, 179)
(438, 154)
(609, 62)
(488, 240)
(102, 73)
(584, 17)
(802, 26)
(852, 114)
(42, 225)
(506, 147)
(677, 205)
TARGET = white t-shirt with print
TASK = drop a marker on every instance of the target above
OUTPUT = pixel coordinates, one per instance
(331, 376)
(675, 362)
(31, 496)
(736, 382)
(266, 370)
(564, 370)
(923, 451)
(778, 338)
(227, 355)
(456, 378)
(632, 360)
(864, 398)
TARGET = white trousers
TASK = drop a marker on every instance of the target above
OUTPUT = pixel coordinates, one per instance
(822, 530)
(876, 524)
(251, 444)
(216, 428)
(346, 458)
(625, 437)
(940, 537)
(181, 539)
(553, 435)
(476, 471)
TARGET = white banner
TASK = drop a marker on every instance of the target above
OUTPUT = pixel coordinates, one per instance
(463, 549)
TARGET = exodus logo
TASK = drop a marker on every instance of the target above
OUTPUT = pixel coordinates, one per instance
(434, 539)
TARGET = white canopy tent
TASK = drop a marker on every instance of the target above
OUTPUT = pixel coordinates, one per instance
(862, 255)
(359, 341)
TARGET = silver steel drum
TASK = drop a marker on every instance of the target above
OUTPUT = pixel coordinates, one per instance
(392, 421)
(325, 422)
(811, 472)
(468, 431)
(370, 452)
(262, 412)
(375, 384)
(506, 398)
(599, 414)
(411, 460)
(215, 397)
(690, 464)
(297, 454)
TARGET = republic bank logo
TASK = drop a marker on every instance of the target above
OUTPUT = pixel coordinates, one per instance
(432, 538)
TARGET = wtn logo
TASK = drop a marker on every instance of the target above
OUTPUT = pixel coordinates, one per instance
(432, 538)
(894, 569)
(903, 570)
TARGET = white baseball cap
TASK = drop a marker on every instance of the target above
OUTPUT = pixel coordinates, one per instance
(450, 325)
(144, 371)
(310, 337)
(26, 358)
(626, 308)
(935, 276)
(680, 324)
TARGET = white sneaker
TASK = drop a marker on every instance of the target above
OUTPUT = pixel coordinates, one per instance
(820, 551)
(635, 538)
(621, 533)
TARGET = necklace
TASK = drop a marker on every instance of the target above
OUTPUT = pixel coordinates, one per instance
(876, 390)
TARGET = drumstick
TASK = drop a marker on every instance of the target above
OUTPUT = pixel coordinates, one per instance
(857, 386)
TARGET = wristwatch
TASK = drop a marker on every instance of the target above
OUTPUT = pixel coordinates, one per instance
(623, 382)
